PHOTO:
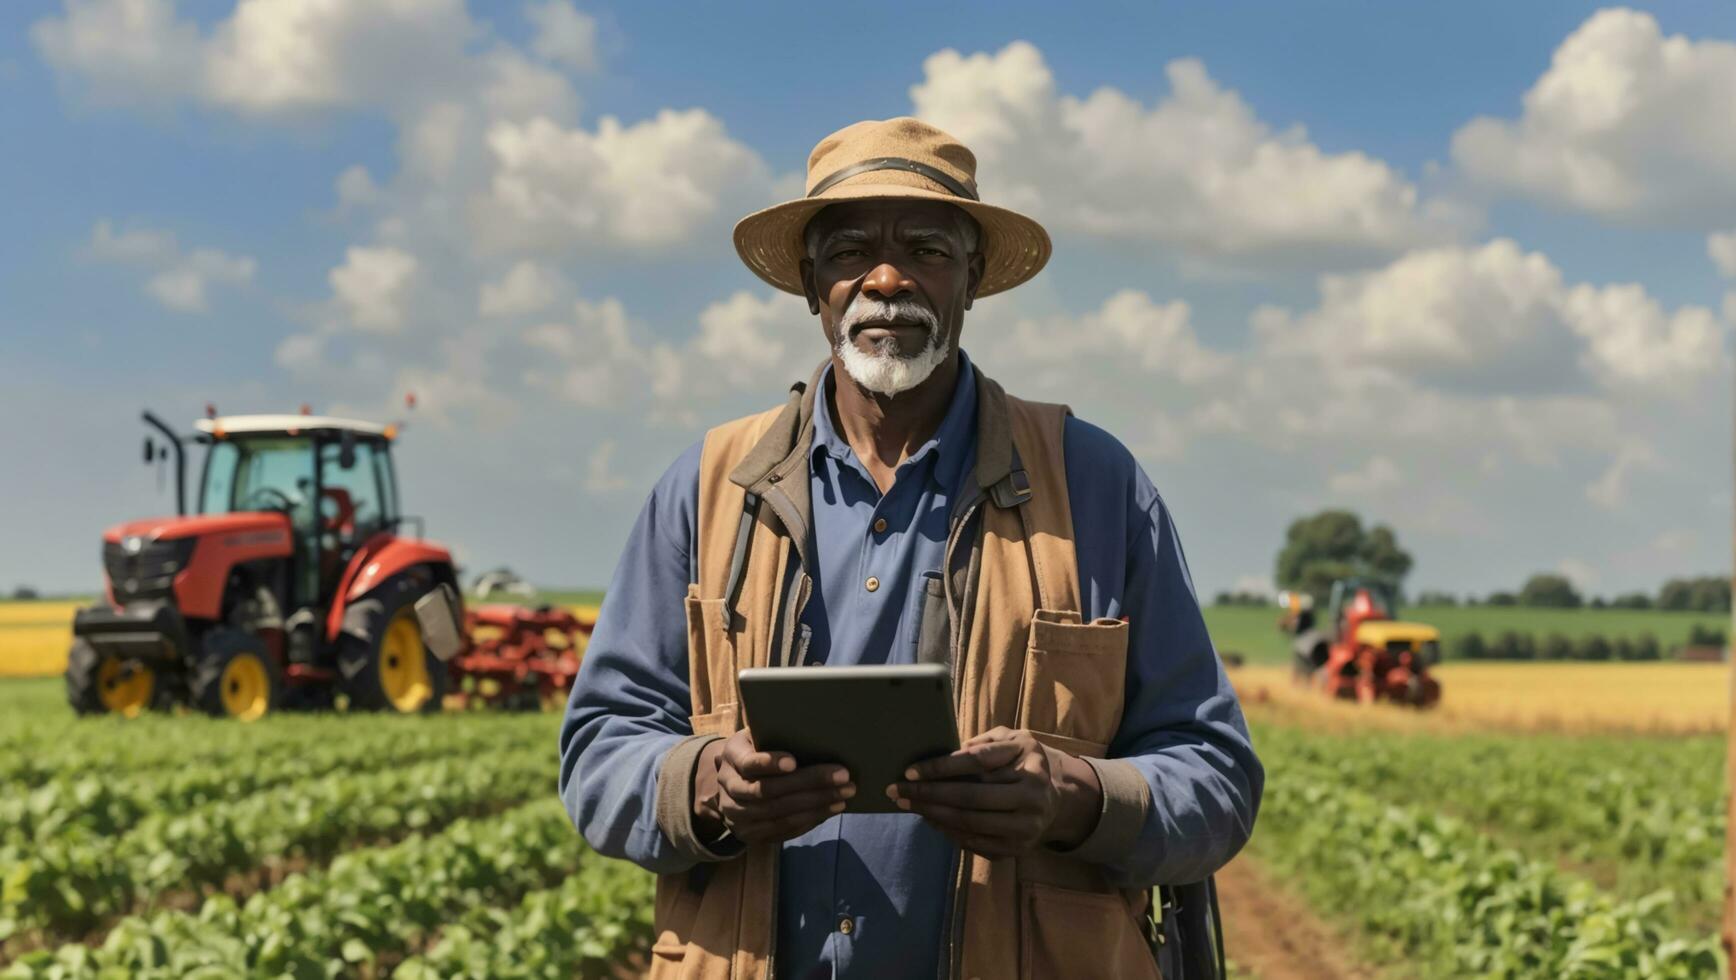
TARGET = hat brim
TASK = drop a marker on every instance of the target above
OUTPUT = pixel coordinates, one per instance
(1014, 247)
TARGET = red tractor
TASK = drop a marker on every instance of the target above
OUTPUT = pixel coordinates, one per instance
(1365, 653)
(292, 584)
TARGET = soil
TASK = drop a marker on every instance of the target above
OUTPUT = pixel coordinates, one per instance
(1272, 934)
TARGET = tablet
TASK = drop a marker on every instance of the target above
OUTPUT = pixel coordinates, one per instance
(873, 720)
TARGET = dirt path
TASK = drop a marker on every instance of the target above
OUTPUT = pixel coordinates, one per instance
(1272, 934)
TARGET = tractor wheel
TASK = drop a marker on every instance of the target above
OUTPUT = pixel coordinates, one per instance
(383, 664)
(96, 684)
(235, 677)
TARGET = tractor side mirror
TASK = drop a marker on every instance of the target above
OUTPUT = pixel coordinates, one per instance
(347, 451)
(150, 450)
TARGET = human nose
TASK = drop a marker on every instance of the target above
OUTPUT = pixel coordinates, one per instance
(886, 281)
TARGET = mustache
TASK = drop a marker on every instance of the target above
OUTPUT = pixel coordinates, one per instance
(864, 310)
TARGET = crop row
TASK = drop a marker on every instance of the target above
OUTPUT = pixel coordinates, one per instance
(587, 926)
(1644, 813)
(51, 744)
(71, 885)
(359, 915)
(1451, 901)
(108, 804)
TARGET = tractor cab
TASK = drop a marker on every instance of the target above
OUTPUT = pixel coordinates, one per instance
(286, 583)
(330, 480)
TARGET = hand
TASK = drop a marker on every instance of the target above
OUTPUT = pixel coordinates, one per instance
(763, 796)
(1003, 793)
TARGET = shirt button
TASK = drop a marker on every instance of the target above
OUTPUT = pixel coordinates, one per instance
(846, 925)
(873, 583)
(880, 526)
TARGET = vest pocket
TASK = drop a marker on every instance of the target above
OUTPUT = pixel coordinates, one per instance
(710, 655)
(1075, 677)
(1066, 933)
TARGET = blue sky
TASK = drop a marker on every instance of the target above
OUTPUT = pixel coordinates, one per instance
(1453, 266)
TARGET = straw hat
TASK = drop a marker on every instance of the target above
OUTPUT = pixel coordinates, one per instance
(900, 158)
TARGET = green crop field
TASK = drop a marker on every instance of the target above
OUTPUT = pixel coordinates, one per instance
(1253, 632)
(424, 847)
(305, 846)
(1503, 856)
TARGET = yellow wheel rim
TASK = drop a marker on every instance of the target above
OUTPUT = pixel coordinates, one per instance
(404, 665)
(124, 692)
(246, 688)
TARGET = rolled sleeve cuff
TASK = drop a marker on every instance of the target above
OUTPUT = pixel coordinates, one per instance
(675, 803)
(1126, 803)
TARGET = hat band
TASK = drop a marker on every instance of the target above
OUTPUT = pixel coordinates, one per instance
(940, 177)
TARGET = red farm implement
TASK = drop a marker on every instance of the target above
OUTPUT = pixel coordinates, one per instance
(515, 657)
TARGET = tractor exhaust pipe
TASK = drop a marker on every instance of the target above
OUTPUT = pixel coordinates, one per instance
(180, 460)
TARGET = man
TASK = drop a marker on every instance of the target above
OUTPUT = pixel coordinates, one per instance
(902, 508)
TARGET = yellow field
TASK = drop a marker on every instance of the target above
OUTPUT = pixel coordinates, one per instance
(34, 636)
(1669, 698)
(22, 613)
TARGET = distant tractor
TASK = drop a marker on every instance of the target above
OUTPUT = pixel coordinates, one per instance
(291, 584)
(1362, 651)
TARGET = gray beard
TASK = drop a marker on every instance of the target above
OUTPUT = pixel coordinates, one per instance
(888, 370)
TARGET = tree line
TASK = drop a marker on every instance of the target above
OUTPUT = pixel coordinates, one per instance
(1331, 545)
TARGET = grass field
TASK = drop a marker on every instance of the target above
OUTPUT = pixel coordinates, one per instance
(1253, 631)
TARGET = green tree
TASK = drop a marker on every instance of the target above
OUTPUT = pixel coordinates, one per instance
(1593, 646)
(1556, 646)
(1470, 646)
(1549, 590)
(1708, 593)
(1332, 545)
(1647, 647)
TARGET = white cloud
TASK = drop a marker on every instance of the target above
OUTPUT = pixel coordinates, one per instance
(302, 352)
(600, 475)
(180, 281)
(525, 288)
(751, 340)
(290, 55)
(647, 184)
(1626, 123)
(1378, 475)
(1583, 575)
(1610, 490)
(1721, 247)
(564, 35)
(122, 50)
(293, 56)
(1633, 342)
(1198, 169)
(356, 188)
(1129, 328)
(1496, 318)
(595, 359)
(373, 285)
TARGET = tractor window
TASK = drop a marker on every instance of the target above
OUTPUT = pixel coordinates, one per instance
(219, 478)
(351, 501)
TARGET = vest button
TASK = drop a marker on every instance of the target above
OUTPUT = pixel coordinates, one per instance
(846, 925)
(880, 526)
(873, 583)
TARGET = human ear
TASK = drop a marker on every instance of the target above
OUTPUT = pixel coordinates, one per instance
(973, 279)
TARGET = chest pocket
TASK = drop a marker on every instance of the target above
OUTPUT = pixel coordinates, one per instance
(1075, 677)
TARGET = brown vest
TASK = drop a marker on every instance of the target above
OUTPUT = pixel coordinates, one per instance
(1020, 657)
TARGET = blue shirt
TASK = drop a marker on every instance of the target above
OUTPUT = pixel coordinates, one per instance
(889, 873)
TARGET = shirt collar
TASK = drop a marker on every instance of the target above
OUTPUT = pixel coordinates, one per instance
(952, 440)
